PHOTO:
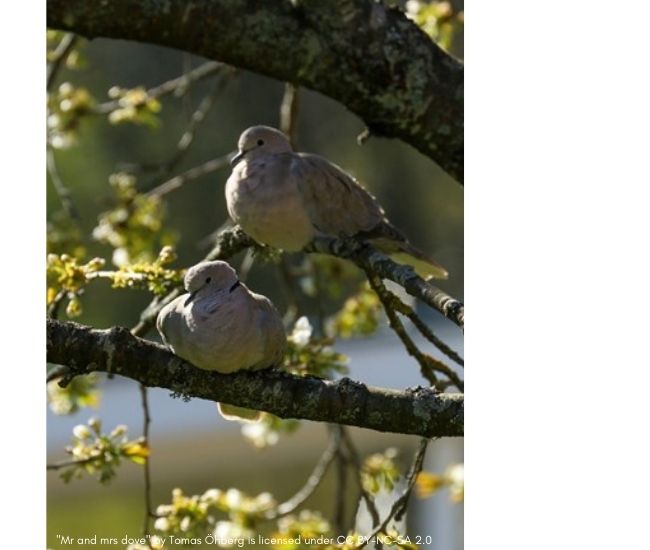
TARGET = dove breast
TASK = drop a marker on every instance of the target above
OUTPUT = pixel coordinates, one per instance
(336, 203)
(239, 331)
(262, 196)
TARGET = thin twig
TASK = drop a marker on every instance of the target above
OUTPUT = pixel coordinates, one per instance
(187, 139)
(178, 85)
(342, 463)
(290, 294)
(318, 291)
(246, 265)
(61, 189)
(56, 372)
(400, 505)
(356, 461)
(289, 112)
(63, 49)
(187, 98)
(53, 308)
(339, 493)
(313, 481)
(147, 474)
(67, 463)
(429, 335)
(428, 365)
(407, 311)
(197, 171)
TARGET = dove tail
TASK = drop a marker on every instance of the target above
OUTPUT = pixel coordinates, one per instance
(232, 412)
(424, 268)
(404, 252)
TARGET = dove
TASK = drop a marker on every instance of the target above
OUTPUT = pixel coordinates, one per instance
(220, 325)
(285, 199)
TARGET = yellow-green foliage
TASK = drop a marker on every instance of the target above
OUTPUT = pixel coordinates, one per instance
(64, 236)
(95, 453)
(359, 315)
(267, 430)
(154, 276)
(437, 19)
(66, 274)
(80, 392)
(193, 516)
(327, 275)
(295, 528)
(66, 106)
(134, 226)
(310, 356)
(379, 471)
(453, 478)
(75, 59)
(135, 105)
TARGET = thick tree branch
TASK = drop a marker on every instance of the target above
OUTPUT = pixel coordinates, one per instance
(365, 55)
(419, 411)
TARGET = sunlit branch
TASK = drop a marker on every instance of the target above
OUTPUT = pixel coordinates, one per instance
(353, 456)
(177, 86)
(63, 49)
(146, 421)
(428, 365)
(68, 463)
(187, 138)
(313, 481)
(425, 367)
(289, 112)
(178, 181)
(371, 260)
(61, 189)
(419, 411)
(365, 54)
(399, 506)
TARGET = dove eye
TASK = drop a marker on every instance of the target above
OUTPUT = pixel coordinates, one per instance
(207, 281)
(260, 142)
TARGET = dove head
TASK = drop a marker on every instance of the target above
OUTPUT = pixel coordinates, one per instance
(211, 277)
(258, 141)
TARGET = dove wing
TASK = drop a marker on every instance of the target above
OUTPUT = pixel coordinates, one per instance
(338, 205)
(269, 323)
(170, 323)
(335, 202)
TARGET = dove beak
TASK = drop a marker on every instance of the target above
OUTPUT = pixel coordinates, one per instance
(237, 158)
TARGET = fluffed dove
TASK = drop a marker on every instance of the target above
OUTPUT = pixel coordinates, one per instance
(221, 325)
(284, 199)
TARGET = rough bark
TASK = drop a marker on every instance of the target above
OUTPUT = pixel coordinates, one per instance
(367, 56)
(374, 262)
(419, 411)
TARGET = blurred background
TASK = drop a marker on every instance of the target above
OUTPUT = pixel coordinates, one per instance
(192, 447)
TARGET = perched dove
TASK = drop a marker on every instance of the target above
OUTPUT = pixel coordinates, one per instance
(284, 199)
(221, 325)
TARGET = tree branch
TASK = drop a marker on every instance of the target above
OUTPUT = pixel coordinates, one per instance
(233, 240)
(419, 411)
(399, 506)
(372, 261)
(313, 481)
(369, 57)
(63, 49)
(428, 364)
